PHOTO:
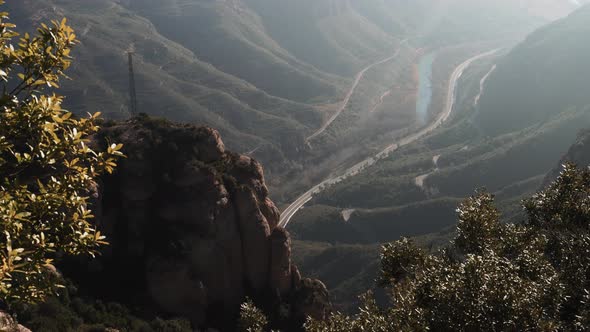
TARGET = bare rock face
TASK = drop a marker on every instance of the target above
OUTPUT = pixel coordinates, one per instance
(255, 232)
(281, 278)
(311, 299)
(192, 230)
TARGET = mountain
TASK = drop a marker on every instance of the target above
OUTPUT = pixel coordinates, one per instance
(544, 75)
(253, 38)
(502, 144)
(264, 73)
(232, 37)
(172, 81)
(192, 232)
(463, 155)
(192, 228)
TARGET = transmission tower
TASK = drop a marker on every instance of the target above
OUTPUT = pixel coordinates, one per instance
(132, 93)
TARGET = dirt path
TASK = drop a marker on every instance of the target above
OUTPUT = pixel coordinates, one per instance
(420, 179)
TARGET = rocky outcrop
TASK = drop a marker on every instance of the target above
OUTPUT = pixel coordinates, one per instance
(255, 232)
(311, 300)
(281, 277)
(192, 230)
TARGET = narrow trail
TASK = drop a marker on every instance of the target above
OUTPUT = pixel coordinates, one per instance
(420, 179)
(346, 100)
(381, 99)
(292, 209)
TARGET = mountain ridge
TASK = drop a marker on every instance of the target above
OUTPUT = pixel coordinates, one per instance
(260, 71)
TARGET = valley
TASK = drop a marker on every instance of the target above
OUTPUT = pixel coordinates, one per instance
(346, 118)
(506, 147)
(346, 100)
(245, 68)
(292, 209)
(282, 157)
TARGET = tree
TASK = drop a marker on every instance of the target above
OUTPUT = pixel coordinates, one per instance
(47, 169)
(493, 277)
(251, 319)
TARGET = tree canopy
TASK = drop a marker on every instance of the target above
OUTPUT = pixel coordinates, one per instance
(531, 276)
(47, 169)
(493, 277)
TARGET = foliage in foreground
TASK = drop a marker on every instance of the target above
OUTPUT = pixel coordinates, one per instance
(532, 276)
(251, 319)
(46, 166)
(71, 312)
(494, 276)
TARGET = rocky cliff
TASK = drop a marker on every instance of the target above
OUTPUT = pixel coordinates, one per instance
(192, 232)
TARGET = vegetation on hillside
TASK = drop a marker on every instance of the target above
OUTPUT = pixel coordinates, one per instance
(415, 190)
(532, 275)
(70, 311)
(172, 81)
(259, 71)
(47, 170)
(544, 75)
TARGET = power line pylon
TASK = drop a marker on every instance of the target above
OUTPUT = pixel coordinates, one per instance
(132, 93)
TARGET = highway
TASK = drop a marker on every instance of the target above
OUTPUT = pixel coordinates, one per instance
(292, 209)
(346, 100)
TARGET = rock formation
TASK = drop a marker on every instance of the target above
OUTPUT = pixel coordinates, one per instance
(192, 231)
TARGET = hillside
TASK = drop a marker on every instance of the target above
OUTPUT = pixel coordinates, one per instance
(192, 232)
(309, 88)
(462, 155)
(265, 73)
(172, 81)
(232, 37)
(415, 191)
(546, 74)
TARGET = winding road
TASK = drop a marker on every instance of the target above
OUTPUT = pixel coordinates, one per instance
(292, 209)
(346, 100)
